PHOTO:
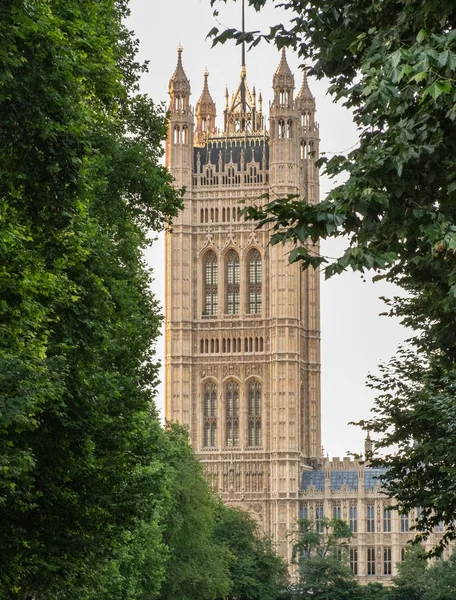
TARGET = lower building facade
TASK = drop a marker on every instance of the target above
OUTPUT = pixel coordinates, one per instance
(349, 490)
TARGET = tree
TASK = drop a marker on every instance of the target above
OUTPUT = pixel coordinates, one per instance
(320, 549)
(83, 482)
(440, 580)
(375, 591)
(394, 65)
(198, 564)
(256, 571)
(410, 582)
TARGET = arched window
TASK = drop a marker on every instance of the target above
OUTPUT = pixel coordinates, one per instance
(210, 415)
(254, 282)
(210, 284)
(177, 135)
(232, 414)
(254, 407)
(289, 128)
(232, 283)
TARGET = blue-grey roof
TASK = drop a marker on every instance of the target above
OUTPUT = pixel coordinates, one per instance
(372, 477)
(340, 478)
(316, 478)
(348, 477)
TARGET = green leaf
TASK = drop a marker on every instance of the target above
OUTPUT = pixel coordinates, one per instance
(422, 35)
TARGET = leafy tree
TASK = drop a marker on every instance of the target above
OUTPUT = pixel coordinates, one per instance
(410, 582)
(394, 65)
(198, 565)
(374, 591)
(256, 571)
(83, 482)
(320, 549)
(440, 581)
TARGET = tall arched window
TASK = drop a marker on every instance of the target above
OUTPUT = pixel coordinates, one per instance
(254, 407)
(232, 283)
(210, 284)
(210, 415)
(232, 414)
(254, 282)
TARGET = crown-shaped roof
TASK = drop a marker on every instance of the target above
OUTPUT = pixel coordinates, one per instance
(241, 112)
(179, 82)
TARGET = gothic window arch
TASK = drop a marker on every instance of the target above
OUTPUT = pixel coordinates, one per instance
(176, 134)
(210, 275)
(210, 414)
(232, 413)
(254, 413)
(254, 279)
(289, 130)
(232, 282)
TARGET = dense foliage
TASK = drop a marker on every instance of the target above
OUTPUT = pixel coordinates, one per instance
(256, 571)
(320, 550)
(394, 64)
(81, 480)
(97, 501)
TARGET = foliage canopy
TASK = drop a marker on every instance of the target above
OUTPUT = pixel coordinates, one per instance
(393, 64)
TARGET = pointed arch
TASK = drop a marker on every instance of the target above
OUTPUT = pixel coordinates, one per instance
(210, 278)
(232, 282)
(254, 399)
(210, 414)
(254, 282)
(232, 413)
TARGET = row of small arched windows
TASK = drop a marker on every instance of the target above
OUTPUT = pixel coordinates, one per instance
(228, 345)
(230, 411)
(307, 148)
(180, 134)
(246, 178)
(231, 283)
(211, 215)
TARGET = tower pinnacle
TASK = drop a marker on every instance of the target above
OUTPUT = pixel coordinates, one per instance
(206, 112)
(179, 83)
(283, 77)
(305, 93)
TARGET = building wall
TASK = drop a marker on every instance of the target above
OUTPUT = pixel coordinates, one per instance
(387, 537)
(277, 347)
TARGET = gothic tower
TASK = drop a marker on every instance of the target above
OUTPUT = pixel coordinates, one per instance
(242, 326)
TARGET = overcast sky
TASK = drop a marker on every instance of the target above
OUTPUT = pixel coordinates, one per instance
(354, 337)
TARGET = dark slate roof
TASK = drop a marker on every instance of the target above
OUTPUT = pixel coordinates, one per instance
(231, 151)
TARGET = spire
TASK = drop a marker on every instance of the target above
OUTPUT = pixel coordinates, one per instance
(243, 31)
(179, 83)
(205, 99)
(206, 112)
(283, 77)
(305, 93)
(368, 447)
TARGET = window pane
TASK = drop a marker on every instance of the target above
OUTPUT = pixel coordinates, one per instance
(254, 413)
(254, 283)
(211, 284)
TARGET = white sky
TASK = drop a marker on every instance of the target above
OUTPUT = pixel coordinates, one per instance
(354, 338)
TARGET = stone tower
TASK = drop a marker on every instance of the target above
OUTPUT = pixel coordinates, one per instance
(242, 326)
